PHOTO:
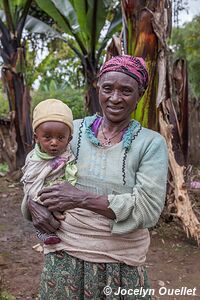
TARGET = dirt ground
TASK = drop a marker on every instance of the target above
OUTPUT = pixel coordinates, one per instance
(173, 261)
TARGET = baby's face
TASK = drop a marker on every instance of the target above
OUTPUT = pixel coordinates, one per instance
(53, 137)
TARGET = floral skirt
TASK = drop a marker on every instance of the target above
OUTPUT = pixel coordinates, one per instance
(66, 277)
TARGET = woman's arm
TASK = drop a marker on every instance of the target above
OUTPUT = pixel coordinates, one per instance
(142, 207)
(65, 196)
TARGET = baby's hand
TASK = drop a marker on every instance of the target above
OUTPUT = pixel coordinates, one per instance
(58, 215)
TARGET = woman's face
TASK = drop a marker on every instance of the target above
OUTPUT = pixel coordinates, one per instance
(118, 96)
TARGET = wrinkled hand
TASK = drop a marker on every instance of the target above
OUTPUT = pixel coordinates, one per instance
(61, 197)
(41, 217)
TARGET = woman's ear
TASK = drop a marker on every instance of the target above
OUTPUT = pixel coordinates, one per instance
(98, 86)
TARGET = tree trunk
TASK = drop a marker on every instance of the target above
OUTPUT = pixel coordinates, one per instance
(91, 95)
(19, 99)
(181, 204)
(8, 145)
(147, 27)
(92, 99)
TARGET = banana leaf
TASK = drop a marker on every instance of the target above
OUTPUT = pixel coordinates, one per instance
(140, 40)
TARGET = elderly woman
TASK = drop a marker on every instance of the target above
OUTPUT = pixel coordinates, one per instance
(120, 193)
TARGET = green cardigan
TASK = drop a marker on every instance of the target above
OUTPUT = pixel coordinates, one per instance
(138, 203)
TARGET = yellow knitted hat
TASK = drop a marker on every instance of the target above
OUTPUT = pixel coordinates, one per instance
(52, 110)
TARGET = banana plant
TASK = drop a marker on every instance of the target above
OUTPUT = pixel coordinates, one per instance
(140, 40)
(13, 55)
(83, 22)
(13, 20)
(147, 27)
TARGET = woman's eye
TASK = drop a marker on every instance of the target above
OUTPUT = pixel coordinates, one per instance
(107, 89)
(126, 91)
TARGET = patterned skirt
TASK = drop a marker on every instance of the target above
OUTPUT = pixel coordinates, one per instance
(65, 277)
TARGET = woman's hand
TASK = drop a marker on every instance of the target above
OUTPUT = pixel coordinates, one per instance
(41, 217)
(61, 197)
(65, 196)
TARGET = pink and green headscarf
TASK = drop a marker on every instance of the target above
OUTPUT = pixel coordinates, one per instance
(129, 65)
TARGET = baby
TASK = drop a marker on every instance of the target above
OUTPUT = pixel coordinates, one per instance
(51, 161)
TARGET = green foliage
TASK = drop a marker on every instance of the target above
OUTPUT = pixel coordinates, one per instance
(4, 107)
(83, 22)
(4, 295)
(186, 44)
(3, 169)
(60, 67)
(87, 25)
(72, 97)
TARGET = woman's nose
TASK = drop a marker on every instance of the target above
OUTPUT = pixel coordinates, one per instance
(115, 96)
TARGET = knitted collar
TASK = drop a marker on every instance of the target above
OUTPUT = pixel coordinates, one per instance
(129, 135)
(41, 154)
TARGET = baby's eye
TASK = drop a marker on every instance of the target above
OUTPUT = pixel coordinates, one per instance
(47, 136)
(61, 138)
